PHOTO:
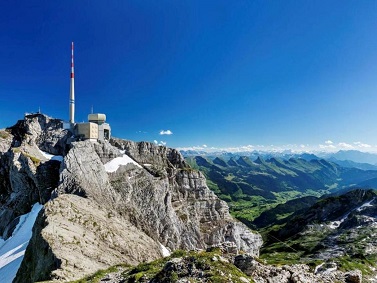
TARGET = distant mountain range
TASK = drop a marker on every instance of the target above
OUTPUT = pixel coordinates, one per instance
(345, 158)
(353, 164)
(251, 154)
(264, 177)
(355, 156)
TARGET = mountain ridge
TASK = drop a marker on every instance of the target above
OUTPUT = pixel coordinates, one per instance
(160, 202)
(355, 157)
(337, 229)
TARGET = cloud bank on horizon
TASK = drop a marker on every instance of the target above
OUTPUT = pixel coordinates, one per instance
(327, 146)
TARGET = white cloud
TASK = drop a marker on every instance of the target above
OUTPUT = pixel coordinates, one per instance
(327, 146)
(362, 145)
(344, 145)
(331, 146)
(196, 148)
(166, 132)
(204, 147)
(156, 142)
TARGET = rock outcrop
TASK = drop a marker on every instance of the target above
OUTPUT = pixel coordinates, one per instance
(158, 160)
(24, 180)
(45, 132)
(297, 273)
(75, 237)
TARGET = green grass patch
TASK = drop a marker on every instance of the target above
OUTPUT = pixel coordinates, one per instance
(230, 177)
(282, 216)
(281, 258)
(364, 263)
(96, 277)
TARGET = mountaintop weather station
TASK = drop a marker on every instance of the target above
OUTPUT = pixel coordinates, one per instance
(96, 128)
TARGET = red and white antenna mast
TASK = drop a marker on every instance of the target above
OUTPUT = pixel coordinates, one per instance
(72, 93)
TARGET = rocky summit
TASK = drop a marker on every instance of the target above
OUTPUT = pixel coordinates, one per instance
(104, 203)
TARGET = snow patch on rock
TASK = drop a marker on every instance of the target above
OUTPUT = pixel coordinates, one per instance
(114, 164)
(51, 157)
(365, 205)
(165, 251)
(336, 224)
(13, 249)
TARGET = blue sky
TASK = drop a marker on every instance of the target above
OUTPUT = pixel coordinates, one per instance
(292, 74)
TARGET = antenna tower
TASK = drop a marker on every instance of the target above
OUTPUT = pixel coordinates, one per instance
(72, 93)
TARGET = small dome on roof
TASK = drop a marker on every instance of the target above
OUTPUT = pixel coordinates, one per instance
(97, 117)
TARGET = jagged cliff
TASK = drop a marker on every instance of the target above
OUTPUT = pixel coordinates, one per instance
(26, 175)
(93, 216)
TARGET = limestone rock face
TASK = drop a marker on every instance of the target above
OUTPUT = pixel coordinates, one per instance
(177, 204)
(82, 173)
(6, 139)
(156, 159)
(24, 180)
(177, 210)
(75, 237)
(105, 151)
(45, 132)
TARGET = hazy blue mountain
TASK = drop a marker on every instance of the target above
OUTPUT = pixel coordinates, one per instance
(355, 156)
(342, 155)
(352, 164)
(193, 152)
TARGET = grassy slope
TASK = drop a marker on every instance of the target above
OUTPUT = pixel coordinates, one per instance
(195, 266)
